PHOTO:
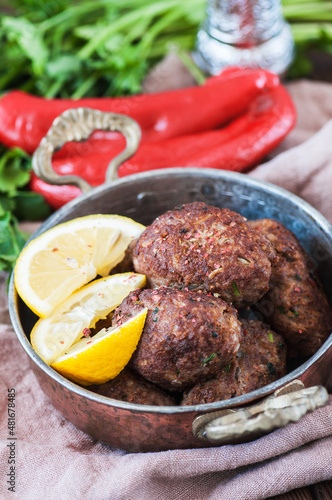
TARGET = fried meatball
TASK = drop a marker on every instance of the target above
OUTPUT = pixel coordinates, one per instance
(130, 386)
(126, 265)
(207, 248)
(260, 360)
(296, 305)
(187, 337)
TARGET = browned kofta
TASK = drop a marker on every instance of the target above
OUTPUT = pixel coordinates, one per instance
(126, 265)
(207, 248)
(187, 337)
(261, 360)
(296, 305)
(131, 387)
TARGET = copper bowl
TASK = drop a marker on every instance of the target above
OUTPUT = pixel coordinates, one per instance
(136, 427)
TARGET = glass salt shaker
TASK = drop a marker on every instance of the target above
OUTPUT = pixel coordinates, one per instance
(250, 33)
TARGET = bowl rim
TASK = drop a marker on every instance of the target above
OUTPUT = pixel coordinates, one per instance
(138, 408)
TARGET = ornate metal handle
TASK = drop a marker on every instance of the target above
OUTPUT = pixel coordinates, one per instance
(288, 404)
(77, 125)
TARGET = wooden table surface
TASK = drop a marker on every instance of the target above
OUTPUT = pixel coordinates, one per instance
(320, 491)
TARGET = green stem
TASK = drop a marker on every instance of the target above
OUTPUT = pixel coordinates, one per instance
(84, 87)
(54, 89)
(319, 3)
(10, 74)
(71, 14)
(159, 26)
(125, 21)
(309, 9)
(305, 32)
(186, 59)
(161, 46)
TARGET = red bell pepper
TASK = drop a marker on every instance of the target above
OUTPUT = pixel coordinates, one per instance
(25, 119)
(237, 146)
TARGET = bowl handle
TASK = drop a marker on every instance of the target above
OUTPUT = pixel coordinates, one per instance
(287, 404)
(77, 125)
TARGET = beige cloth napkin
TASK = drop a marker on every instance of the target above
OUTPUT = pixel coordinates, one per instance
(55, 460)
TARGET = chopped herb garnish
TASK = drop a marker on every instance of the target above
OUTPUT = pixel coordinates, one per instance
(281, 346)
(236, 291)
(214, 334)
(294, 312)
(228, 368)
(156, 309)
(271, 368)
(282, 309)
(177, 371)
(270, 335)
(155, 320)
(209, 358)
(298, 277)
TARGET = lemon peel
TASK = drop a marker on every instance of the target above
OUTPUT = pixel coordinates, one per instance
(101, 358)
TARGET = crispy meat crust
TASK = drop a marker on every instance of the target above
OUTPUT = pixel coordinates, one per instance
(207, 248)
(261, 360)
(296, 305)
(131, 387)
(187, 337)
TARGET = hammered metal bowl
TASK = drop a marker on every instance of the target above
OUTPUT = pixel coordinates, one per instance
(143, 197)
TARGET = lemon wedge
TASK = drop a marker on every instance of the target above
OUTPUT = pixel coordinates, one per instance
(64, 258)
(52, 336)
(101, 358)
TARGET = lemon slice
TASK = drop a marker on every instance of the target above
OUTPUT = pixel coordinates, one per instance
(101, 358)
(52, 336)
(64, 258)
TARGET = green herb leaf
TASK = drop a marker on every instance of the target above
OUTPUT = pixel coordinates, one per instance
(209, 358)
(12, 240)
(29, 39)
(272, 370)
(15, 167)
(92, 48)
(270, 335)
(236, 291)
(16, 204)
(31, 206)
(228, 368)
(64, 66)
